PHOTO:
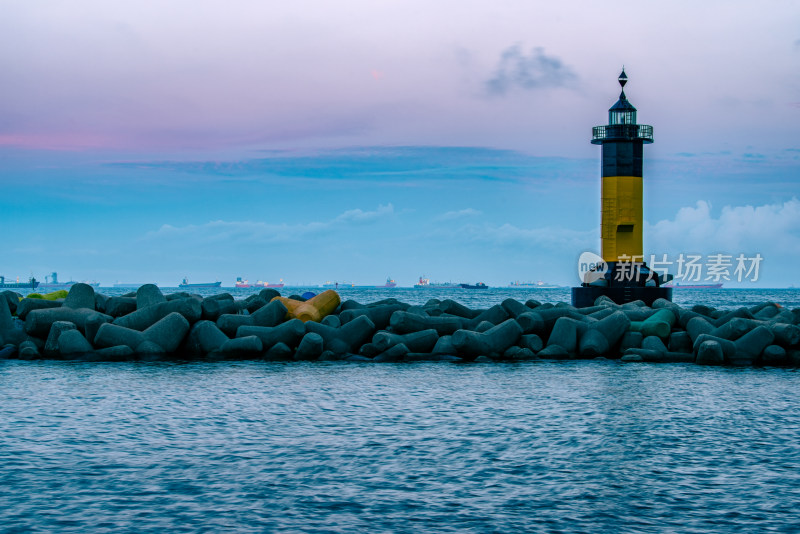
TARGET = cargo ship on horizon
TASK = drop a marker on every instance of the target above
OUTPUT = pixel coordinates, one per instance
(425, 283)
(54, 285)
(32, 283)
(536, 285)
(186, 285)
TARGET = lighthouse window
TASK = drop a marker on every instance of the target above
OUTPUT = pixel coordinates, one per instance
(623, 117)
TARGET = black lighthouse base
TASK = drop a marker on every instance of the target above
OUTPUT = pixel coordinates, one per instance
(585, 296)
(622, 282)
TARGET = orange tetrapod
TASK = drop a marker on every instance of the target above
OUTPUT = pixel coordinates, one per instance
(314, 309)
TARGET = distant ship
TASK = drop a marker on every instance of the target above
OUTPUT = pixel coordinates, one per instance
(425, 283)
(479, 285)
(186, 285)
(389, 283)
(54, 285)
(691, 286)
(242, 283)
(337, 285)
(278, 285)
(32, 283)
(537, 285)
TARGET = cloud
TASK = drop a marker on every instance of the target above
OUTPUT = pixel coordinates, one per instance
(534, 71)
(508, 235)
(460, 214)
(261, 232)
(359, 216)
(737, 229)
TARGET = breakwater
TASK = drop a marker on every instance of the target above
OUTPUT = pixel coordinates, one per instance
(148, 325)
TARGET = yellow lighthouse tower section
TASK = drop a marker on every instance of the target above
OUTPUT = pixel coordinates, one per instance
(622, 218)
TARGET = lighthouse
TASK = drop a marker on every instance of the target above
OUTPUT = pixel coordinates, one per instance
(623, 274)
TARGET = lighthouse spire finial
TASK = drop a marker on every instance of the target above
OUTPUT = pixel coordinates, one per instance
(623, 78)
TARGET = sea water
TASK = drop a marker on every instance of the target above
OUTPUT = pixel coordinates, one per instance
(547, 446)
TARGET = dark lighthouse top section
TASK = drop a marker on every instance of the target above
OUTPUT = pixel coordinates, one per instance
(622, 138)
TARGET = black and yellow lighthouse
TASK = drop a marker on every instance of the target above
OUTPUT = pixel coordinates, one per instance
(623, 274)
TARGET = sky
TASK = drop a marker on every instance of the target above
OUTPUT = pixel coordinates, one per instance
(315, 141)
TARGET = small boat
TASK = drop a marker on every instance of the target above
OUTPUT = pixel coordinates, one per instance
(241, 283)
(479, 285)
(425, 283)
(186, 285)
(692, 286)
(32, 283)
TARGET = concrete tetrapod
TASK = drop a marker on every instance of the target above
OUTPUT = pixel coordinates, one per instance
(80, 296)
(406, 323)
(144, 318)
(149, 295)
(290, 333)
(422, 341)
(494, 341)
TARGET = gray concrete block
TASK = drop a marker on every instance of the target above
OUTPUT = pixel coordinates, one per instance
(310, 347)
(697, 326)
(532, 323)
(750, 345)
(247, 347)
(452, 307)
(630, 340)
(56, 329)
(27, 305)
(111, 335)
(28, 350)
(395, 353)
(422, 341)
(150, 350)
(494, 341)
(279, 352)
(290, 333)
(80, 296)
(119, 306)
(214, 306)
(72, 342)
(39, 321)
(204, 338)
(379, 315)
(680, 341)
(554, 352)
(270, 315)
(332, 320)
(406, 323)
(444, 345)
(728, 347)
(532, 342)
(146, 317)
(168, 333)
(709, 352)
(774, 355)
(653, 343)
(593, 344)
(120, 353)
(149, 295)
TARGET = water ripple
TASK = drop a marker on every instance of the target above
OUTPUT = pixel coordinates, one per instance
(543, 447)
